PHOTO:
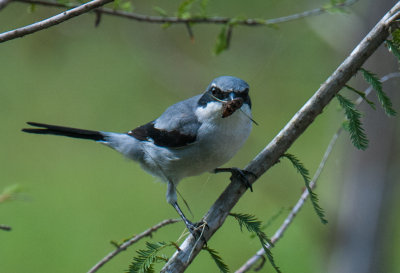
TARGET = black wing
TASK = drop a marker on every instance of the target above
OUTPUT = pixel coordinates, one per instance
(160, 137)
(176, 127)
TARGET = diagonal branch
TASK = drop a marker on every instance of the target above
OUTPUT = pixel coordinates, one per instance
(304, 196)
(207, 20)
(52, 21)
(215, 217)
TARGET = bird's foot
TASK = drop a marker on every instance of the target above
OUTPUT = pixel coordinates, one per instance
(241, 174)
(197, 229)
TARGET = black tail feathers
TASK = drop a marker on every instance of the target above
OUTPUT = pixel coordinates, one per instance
(47, 129)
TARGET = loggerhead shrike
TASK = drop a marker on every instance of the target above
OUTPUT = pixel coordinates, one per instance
(191, 137)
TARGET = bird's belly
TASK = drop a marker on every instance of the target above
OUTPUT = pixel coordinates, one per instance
(217, 144)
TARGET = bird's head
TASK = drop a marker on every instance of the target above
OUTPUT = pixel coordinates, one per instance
(227, 93)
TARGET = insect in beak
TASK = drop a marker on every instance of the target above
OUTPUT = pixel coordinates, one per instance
(231, 106)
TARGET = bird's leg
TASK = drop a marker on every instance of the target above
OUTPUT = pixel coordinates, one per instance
(172, 199)
(241, 174)
(190, 226)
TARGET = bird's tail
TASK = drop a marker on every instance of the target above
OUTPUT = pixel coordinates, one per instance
(47, 129)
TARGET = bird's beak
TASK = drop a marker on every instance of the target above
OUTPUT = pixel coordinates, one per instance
(231, 96)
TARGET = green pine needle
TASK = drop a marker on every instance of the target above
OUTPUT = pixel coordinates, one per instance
(376, 84)
(306, 177)
(393, 48)
(264, 243)
(354, 126)
(252, 224)
(217, 259)
(144, 262)
(362, 95)
(248, 221)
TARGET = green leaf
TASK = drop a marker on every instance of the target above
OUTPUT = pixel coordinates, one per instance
(306, 177)
(184, 9)
(393, 48)
(116, 4)
(160, 11)
(396, 37)
(115, 244)
(31, 8)
(217, 259)
(144, 262)
(126, 6)
(222, 42)
(376, 84)
(357, 134)
(362, 95)
(203, 8)
(252, 224)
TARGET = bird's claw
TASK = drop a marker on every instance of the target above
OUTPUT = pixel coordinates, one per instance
(242, 174)
(197, 229)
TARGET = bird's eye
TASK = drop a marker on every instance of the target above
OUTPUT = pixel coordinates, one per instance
(218, 93)
(215, 91)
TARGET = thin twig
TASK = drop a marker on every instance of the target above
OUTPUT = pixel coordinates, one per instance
(198, 20)
(289, 219)
(308, 13)
(130, 242)
(270, 155)
(52, 21)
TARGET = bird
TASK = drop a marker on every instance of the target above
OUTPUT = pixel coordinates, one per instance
(191, 137)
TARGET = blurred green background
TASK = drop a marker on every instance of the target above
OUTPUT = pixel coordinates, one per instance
(77, 195)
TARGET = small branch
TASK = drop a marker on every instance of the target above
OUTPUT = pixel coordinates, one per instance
(130, 242)
(4, 227)
(309, 13)
(289, 219)
(52, 21)
(198, 20)
(217, 214)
